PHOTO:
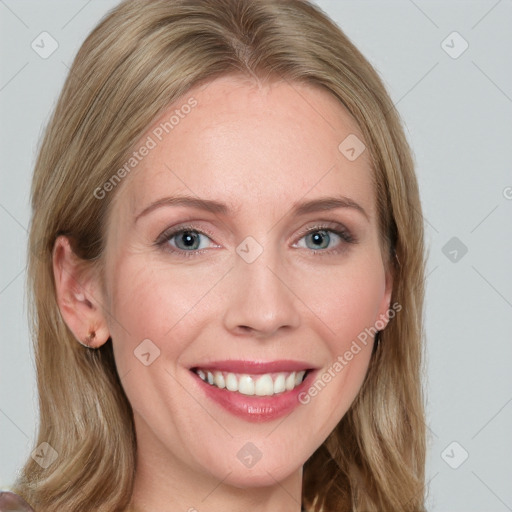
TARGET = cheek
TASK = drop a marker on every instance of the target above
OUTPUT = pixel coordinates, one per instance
(165, 304)
(346, 308)
(346, 299)
(156, 317)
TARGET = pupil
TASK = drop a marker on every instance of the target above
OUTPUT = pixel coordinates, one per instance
(188, 238)
(319, 237)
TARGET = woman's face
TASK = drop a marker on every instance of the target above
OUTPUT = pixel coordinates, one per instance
(243, 249)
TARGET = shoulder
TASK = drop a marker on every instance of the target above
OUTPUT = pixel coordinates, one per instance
(10, 502)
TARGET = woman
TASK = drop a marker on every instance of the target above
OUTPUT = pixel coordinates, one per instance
(227, 271)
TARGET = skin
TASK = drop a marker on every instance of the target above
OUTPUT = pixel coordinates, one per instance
(259, 149)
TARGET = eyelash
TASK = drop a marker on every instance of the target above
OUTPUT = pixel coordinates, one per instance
(343, 233)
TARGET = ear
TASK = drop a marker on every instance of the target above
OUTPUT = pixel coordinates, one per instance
(385, 305)
(79, 295)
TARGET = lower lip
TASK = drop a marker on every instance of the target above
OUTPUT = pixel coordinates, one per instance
(255, 408)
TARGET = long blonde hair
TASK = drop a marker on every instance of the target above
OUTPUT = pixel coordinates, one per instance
(142, 56)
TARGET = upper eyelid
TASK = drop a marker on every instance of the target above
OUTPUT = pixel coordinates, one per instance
(171, 232)
(325, 225)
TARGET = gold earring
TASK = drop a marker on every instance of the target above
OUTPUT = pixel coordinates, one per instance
(88, 339)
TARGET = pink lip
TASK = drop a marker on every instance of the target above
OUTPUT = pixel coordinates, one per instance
(255, 408)
(255, 367)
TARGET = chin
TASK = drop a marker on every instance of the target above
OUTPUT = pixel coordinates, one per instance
(264, 469)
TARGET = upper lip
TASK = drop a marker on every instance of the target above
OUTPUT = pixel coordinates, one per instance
(254, 367)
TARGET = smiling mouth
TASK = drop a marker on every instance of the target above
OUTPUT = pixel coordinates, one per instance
(265, 384)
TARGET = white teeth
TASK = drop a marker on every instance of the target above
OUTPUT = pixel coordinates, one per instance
(219, 380)
(259, 385)
(279, 383)
(290, 381)
(299, 377)
(264, 386)
(246, 385)
(231, 382)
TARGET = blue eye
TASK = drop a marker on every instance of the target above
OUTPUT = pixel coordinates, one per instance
(185, 240)
(321, 238)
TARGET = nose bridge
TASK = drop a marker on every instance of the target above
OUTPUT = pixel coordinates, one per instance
(259, 297)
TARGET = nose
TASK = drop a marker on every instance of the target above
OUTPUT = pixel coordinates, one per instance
(260, 299)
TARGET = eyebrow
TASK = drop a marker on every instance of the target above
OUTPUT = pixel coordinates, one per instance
(216, 207)
(328, 203)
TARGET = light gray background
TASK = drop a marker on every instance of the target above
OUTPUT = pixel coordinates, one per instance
(457, 113)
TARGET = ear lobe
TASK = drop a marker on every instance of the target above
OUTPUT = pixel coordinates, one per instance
(79, 295)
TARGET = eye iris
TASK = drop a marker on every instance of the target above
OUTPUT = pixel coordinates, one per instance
(189, 238)
(320, 236)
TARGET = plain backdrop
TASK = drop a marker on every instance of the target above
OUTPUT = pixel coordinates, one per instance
(447, 67)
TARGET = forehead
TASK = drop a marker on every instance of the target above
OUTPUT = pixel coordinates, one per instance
(246, 144)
